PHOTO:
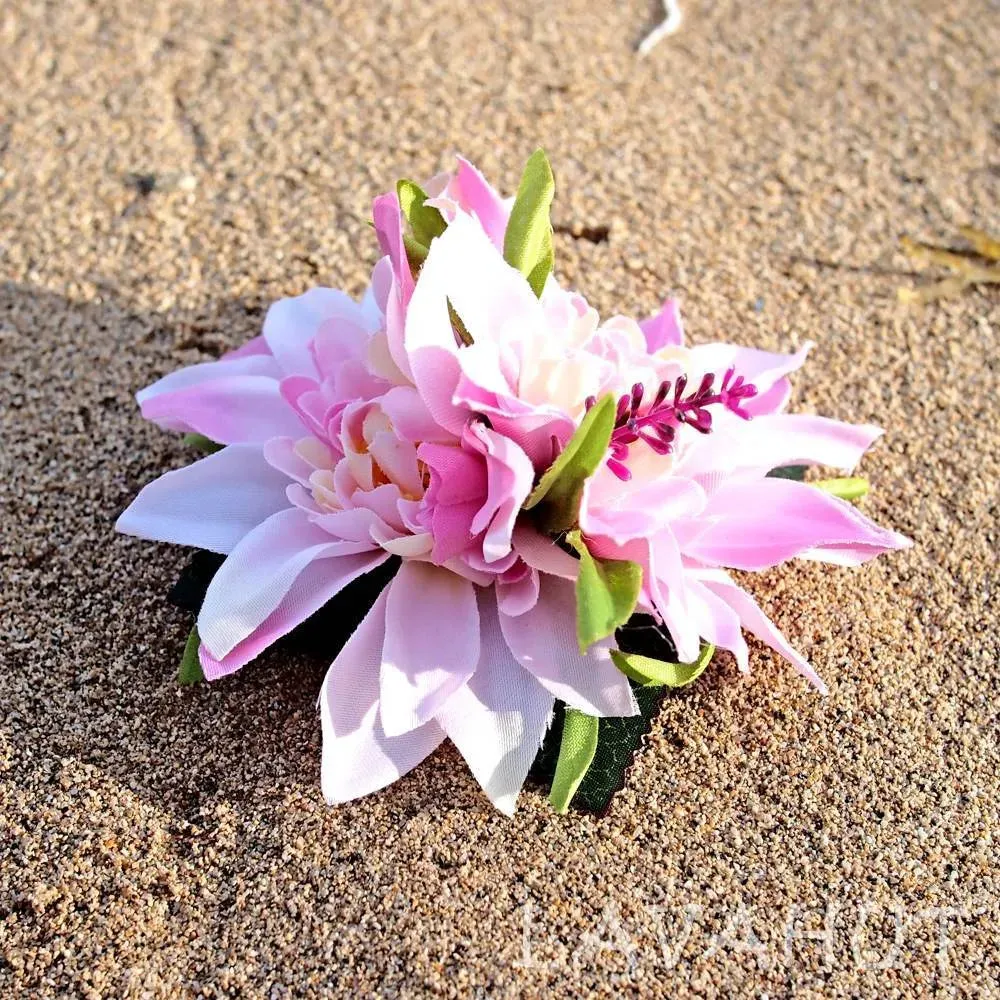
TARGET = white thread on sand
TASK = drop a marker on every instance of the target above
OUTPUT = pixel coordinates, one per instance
(666, 27)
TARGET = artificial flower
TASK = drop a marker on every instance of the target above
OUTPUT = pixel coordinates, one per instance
(421, 424)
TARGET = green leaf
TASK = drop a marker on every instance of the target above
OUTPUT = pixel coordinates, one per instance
(606, 592)
(425, 221)
(657, 673)
(579, 744)
(527, 243)
(849, 488)
(416, 253)
(203, 443)
(796, 472)
(458, 326)
(190, 671)
(561, 486)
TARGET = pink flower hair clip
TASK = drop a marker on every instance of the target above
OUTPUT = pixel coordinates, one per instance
(526, 516)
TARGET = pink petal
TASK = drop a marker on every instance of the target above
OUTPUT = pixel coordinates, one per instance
(358, 757)
(764, 368)
(291, 325)
(499, 718)
(451, 528)
(431, 644)
(398, 460)
(310, 400)
(388, 221)
(757, 623)
(258, 574)
(229, 366)
(514, 597)
(509, 477)
(543, 640)
(410, 417)
(754, 526)
(353, 524)
(665, 328)
(298, 459)
(542, 554)
(234, 409)
(637, 508)
(459, 475)
(318, 583)
(662, 581)
(211, 504)
(487, 293)
(477, 197)
(767, 442)
(339, 339)
(716, 622)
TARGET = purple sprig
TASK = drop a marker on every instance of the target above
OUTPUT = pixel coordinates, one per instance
(656, 425)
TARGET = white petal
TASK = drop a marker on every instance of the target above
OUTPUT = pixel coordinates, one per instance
(499, 718)
(258, 574)
(358, 758)
(211, 504)
(431, 643)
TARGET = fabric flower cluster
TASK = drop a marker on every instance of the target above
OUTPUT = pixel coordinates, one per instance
(540, 475)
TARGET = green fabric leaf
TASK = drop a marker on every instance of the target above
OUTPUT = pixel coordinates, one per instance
(576, 752)
(561, 486)
(618, 743)
(848, 488)
(190, 671)
(203, 443)
(656, 673)
(527, 243)
(458, 326)
(797, 472)
(606, 592)
(425, 221)
(416, 253)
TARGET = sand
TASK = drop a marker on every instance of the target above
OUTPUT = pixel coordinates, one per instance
(169, 168)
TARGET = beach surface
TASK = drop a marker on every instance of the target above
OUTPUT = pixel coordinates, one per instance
(168, 169)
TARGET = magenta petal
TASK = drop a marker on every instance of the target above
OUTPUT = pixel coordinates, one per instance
(509, 479)
(665, 328)
(756, 525)
(259, 572)
(543, 640)
(318, 583)
(358, 757)
(235, 409)
(431, 644)
(211, 504)
(499, 718)
(757, 623)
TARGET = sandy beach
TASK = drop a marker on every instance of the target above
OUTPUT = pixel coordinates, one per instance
(168, 169)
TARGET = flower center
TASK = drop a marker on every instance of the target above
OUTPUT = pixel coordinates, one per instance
(656, 423)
